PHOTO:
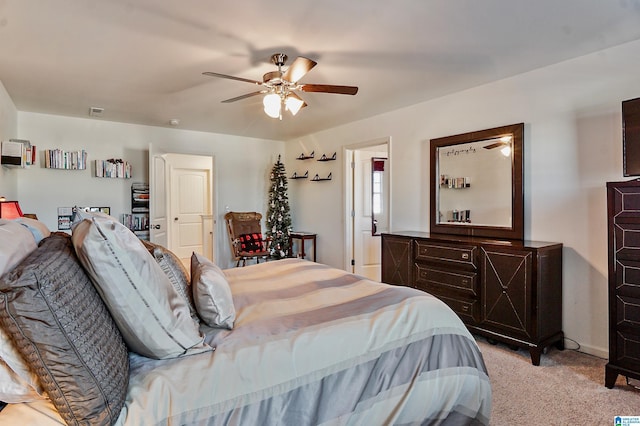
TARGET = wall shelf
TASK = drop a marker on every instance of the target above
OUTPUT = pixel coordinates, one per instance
(138, 220)
(115, 168)
(325, 158)
(18, 153)
(317, 178)
(303, 156)
(454, 182)
(297, 176)
(65, 160)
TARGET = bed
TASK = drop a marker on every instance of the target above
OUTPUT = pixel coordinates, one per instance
(310, 345)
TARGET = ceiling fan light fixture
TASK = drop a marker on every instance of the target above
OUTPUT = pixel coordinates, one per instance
(279, 86)
(293, 103)
(271, 104)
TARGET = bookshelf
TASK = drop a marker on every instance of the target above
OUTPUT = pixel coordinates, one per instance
(17, 153)
(138, 219)
(115, 168)
(65, 160)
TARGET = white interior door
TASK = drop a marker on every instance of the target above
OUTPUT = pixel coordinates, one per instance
(158, 201)
(181, 211)
(366, 247)
(190, 181)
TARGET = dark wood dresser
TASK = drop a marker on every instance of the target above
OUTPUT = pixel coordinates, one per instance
(507, 291)
(623, 211)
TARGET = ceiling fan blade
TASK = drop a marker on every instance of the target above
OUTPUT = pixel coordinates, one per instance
(494, 145)
(328, 88)
(230, 77)
(248, 95)
(298, 69)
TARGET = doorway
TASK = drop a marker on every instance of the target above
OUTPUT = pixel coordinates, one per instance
(181, 203)
(368, 197)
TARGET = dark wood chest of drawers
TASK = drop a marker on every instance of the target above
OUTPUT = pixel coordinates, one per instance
(508, 291)
(623, 205)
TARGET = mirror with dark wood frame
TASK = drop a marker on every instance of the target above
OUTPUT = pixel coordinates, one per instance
(477, 183)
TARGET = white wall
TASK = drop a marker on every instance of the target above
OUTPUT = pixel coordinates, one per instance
(241, 176)
(573, 146)
(8, 130)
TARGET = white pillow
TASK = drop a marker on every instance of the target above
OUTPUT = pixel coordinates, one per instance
(153, 319)
(211, 293)
(16, 242)
(37, 228)
(17, 382)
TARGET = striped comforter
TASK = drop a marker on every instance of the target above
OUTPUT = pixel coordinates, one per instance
(315, 345)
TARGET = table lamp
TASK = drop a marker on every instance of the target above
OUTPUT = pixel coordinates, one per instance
(10, 210)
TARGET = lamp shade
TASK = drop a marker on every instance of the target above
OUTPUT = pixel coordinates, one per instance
(293, 103)
(271, 104)
(10, 210)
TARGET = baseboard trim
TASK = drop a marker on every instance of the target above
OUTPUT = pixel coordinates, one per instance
(592, 350)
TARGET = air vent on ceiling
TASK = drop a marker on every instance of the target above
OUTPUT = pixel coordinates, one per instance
(96, 111)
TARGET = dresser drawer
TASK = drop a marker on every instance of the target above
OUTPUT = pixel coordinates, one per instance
(627, 349)
(628, 312)
(460, 281)
(458, 254)
(627, 237)
(467, 310)
(628, 277)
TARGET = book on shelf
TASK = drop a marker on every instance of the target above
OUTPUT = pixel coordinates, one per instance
(68, 160)
(113, 168)
(136, 222)
(17, 153)
(140, 187)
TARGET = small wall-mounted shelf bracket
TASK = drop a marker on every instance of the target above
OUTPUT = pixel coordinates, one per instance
(325, 158)
(297, 176)
(317, 178)
(306, 157)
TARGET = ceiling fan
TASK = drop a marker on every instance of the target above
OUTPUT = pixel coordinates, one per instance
(280, 86)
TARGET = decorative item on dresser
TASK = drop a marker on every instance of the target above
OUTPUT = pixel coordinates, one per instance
(623, 217)
(502, 286)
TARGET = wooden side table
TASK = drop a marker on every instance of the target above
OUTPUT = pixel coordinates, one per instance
(302, 236)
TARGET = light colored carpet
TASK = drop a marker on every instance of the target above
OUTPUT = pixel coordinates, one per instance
(566, 389)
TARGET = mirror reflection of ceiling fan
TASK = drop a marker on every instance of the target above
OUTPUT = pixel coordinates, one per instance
(280, 86)
(503, 142)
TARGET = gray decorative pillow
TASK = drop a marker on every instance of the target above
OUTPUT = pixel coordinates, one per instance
(59, 324)
(153, 319)
(175, 271)
(211, 293)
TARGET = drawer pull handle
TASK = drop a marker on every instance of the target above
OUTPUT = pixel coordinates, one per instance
(465, 256)
(465, 308)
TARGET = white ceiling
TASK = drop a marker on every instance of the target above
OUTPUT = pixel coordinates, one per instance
(142, 61)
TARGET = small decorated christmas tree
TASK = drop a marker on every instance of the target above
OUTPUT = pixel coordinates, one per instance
(278, 216)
